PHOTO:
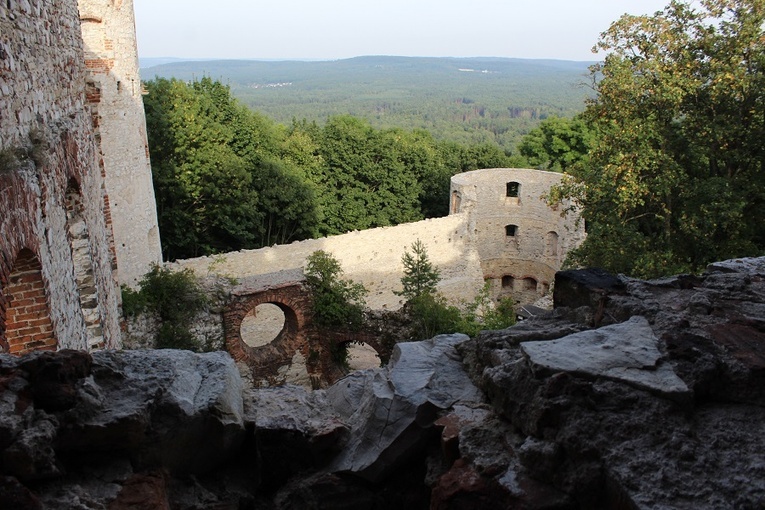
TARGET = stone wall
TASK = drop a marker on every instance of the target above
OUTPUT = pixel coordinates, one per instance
(468, 246)
(47, 148)
(521, 241)
(111, 59)
(371, 257)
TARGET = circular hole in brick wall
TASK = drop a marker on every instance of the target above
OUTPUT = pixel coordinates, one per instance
(262, 325)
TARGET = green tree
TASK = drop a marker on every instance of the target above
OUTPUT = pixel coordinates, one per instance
(676, 177)
(337, 302)
(420, 276)
(221, 177)
(363, 182)
(557, 144)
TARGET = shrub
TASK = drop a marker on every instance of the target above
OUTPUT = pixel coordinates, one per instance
(175, 297)
(336, 302)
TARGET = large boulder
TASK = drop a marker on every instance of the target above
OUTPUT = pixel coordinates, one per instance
(391, 411)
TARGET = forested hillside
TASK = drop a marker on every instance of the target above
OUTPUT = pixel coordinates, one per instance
(467, 100)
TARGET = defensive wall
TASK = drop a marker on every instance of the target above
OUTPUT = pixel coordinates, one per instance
(371, 257)
(500, 230)
(473, 244)
(56, 284)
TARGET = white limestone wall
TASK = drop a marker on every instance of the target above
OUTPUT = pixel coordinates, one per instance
(371, 257)
(111, 57)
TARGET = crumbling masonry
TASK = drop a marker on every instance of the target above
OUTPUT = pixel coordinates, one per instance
(63, 107)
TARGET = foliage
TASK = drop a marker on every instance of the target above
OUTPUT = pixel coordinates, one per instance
(175, 297)
(420, 277)
(675, 178)
(227, 178)
(428, 310)
(483, 314)
(336, 302)
(431, 316)
(557, 144)
(219, 181)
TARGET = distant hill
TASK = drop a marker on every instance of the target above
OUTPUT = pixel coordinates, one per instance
(486, 99)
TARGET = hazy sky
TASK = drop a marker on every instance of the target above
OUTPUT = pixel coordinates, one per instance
(332, 29)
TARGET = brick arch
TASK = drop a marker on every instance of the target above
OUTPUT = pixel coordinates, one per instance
(25, 323)
(295, 303)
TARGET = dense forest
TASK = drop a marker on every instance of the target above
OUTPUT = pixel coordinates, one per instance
(465, 100)
(228, 178)
(666, 159)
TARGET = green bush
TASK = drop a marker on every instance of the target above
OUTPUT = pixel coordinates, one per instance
(336, 302)
(175, 297)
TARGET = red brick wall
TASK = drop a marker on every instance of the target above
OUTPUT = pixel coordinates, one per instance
(27, 321)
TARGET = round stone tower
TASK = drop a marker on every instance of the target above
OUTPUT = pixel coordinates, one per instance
(521, 240)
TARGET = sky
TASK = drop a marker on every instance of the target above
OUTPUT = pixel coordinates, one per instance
(336, 29)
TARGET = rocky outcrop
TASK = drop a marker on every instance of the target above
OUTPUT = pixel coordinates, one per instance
(629, 394)
(637, 394)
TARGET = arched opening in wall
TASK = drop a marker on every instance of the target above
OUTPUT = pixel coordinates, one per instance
(263, 324)
(26, 326)
(551, 244)
(456, 202)
(79, 240)
(545, 288)
(508, 282)
(529, 284)
(513, 189)
(362, 356)
(511, 230)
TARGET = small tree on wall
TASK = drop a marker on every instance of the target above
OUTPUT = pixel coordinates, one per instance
(420, 276)
(337, 302)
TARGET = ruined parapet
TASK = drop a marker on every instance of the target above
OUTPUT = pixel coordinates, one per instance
(371, 257)
(54, 251)
(115, 94)
(521, 240)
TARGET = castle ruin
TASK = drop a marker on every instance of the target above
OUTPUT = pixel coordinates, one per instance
(77, 204)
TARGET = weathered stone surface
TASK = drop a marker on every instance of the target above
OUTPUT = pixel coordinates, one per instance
(561, 422)
(391, 411)
(296, 430)
(172, 408)
(626, 352)
(604, 425)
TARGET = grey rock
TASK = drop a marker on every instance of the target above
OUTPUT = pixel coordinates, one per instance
(390, 411)
(626, 352)
(746, 265)
(172, 408)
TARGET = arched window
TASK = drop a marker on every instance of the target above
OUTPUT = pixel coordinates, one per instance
(508, 282)
(551, 244)
(456, 202)
(513, 189)
(529, 284)
(511, 230)
(263, 324)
